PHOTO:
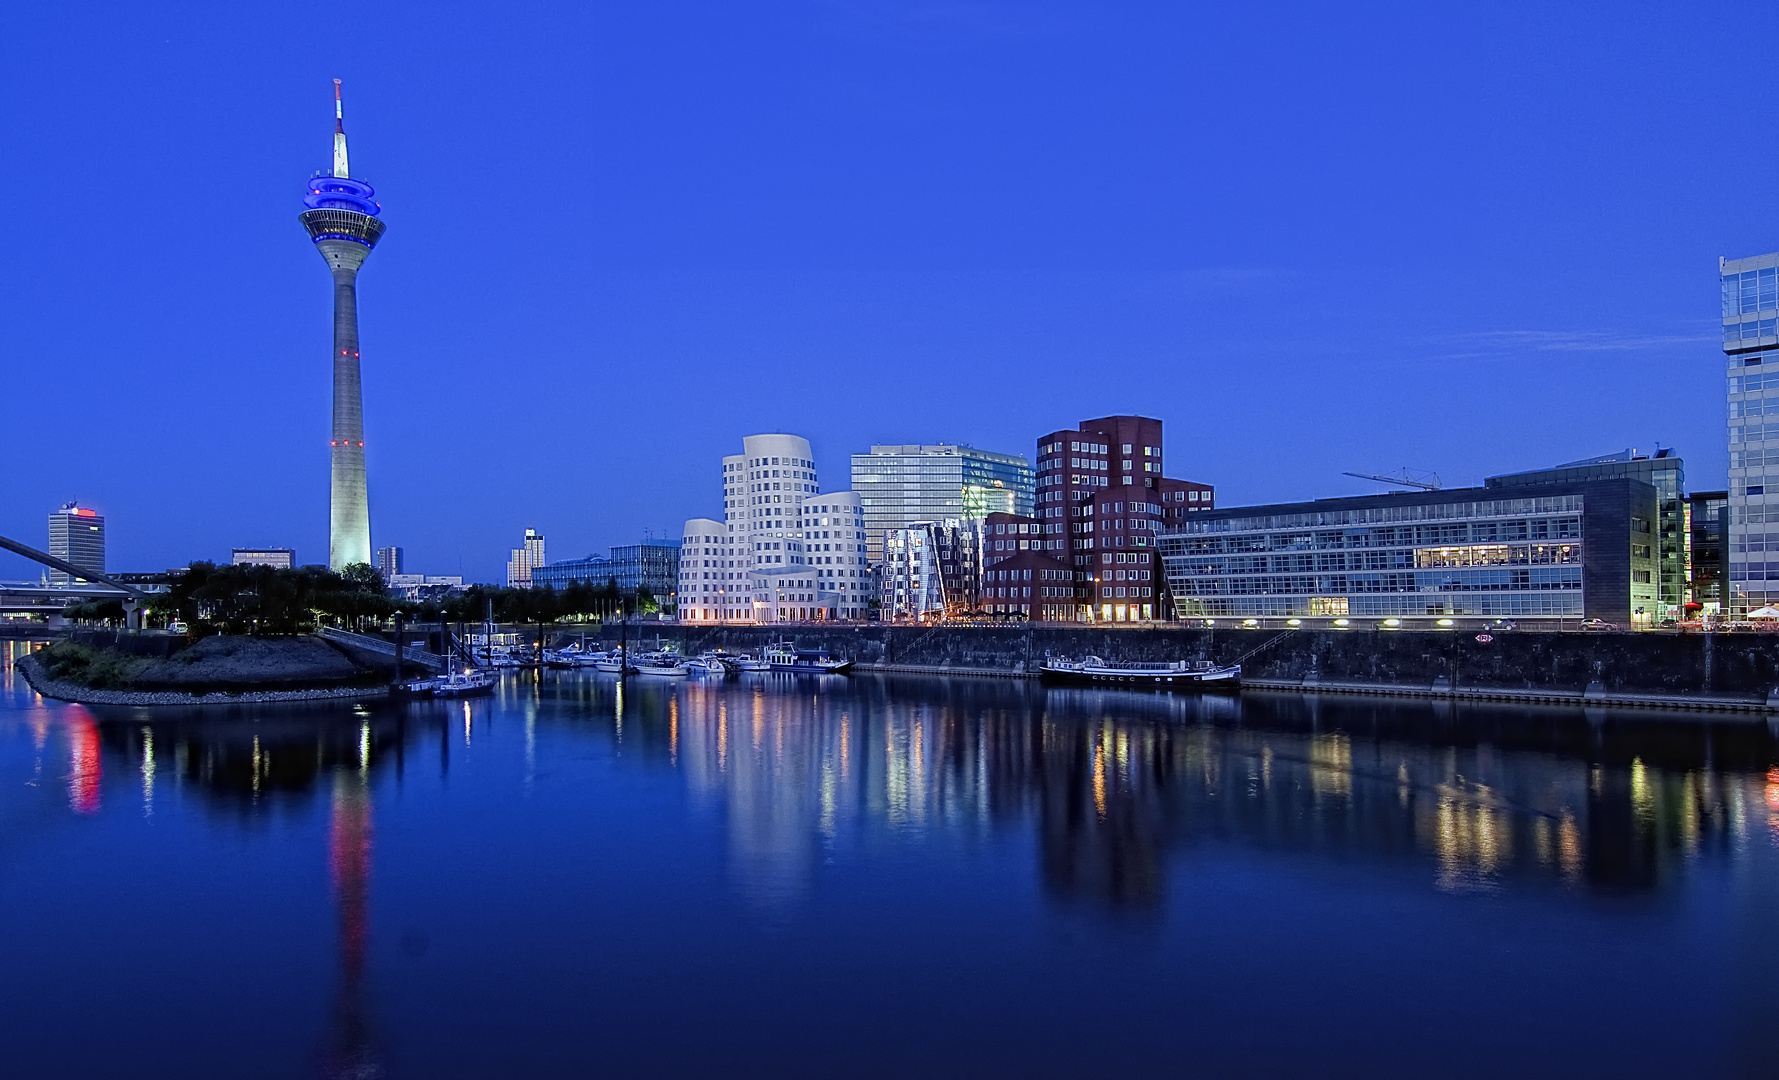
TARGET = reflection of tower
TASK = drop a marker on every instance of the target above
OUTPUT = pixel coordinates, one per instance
(342, 221)
(349, 857)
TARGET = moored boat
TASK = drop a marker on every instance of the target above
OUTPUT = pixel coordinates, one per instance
(787, 657)
(661, 663)
(1201, 673)
(456, 684)
(746, 663)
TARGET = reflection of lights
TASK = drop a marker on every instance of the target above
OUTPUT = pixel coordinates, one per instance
(83, 761)
(364, 748)
(147, 772)
(1099, 778)
(1642, 794)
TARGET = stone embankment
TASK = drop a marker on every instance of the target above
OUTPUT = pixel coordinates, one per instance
(1688, 671)
(215, 670)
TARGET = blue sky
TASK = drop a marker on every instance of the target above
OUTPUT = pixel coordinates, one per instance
(1310, 238)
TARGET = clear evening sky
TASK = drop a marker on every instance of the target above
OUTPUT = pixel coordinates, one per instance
(1310, 238)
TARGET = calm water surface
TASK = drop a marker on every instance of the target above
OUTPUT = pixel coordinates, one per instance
(855, 877)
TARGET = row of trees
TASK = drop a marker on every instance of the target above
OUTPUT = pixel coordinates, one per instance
(272, 600)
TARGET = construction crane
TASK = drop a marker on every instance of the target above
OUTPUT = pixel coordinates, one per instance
(1426, 481)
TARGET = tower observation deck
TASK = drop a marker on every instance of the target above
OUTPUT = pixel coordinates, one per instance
(341, 217)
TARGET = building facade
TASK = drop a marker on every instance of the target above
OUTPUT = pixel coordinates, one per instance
(930, 570)
(1102, 500)
(77, 537)
(1751, 354)
(389, 562)
(1023, 575)
(524, 560)
(795, 553)
(1547, 554)
(1662, 470)
(594, 570)
(1709, 586)
(282, 558)
(905, 485)
(342, 219)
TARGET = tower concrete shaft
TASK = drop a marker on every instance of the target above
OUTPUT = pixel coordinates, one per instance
(342, 219)
(349, 511)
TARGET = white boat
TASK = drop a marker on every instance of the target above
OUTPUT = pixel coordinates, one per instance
(1201, 673)
(466, 683)
(745, 662)
(709, 664)
(787, 657)
(662, 663)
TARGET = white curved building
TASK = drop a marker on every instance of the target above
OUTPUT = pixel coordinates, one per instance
(784, 552)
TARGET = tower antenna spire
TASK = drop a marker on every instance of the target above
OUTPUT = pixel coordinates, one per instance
(340, 167)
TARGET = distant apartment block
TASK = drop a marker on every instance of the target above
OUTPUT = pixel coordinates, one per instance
(389, 562)
(282, 558)
(902, 485)
(525, 559)
(1751, 354)
(77, 537)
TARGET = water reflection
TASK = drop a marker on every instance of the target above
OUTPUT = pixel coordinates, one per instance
(1116, 788)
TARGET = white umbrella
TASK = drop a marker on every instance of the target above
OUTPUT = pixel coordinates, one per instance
(1768, 612)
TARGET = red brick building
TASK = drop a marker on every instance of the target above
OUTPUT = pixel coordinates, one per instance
(1021, 574)
(1101, 500)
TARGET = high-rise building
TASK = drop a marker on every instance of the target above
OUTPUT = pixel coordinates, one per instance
(1662, 470)
(1101, 502)
(342, 220)
(786, 553)
(389, 562)
(282, 558)
(900, 486)
(1751, 353)
(524, 559)
(76, 536)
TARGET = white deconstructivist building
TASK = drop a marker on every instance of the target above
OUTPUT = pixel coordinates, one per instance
(784, 552)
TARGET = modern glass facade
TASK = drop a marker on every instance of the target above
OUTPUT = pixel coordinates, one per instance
(651, 565)
(1710, 586)
(1570, 551)
(1751, 354)
(1662, 470)
(900, 486)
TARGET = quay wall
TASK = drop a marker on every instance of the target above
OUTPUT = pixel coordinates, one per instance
(1725, 670)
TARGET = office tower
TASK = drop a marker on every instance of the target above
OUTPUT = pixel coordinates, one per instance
(282, 558)
(524, 559)
(389, 561)
(930, 570)
(1101, 503)
(905, 485)
(784, 551)
(1751, 354)
(1662, 598)
(76, 536)
(342, 221)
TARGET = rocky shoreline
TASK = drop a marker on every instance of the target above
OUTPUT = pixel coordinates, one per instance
(40, 681)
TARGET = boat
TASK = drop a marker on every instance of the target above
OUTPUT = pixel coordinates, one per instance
(746, 663)
(1140, 673)
(662, 663)
(708, 664)
(787, 657)
(457, 684)
(612, 663)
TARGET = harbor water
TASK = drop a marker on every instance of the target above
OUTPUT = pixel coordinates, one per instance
(871, 876)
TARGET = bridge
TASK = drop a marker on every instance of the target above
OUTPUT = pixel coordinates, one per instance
(28, 599)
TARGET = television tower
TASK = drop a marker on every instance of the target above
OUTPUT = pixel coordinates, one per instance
(342, 220)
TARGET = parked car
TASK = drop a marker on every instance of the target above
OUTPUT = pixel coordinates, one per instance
(1598, 624)
(177, 626)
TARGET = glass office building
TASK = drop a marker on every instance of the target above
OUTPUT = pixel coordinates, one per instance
(1662, 470)
(651, 565)
(899, 486)
(1751, 354)
(1710, 587)
(1554, 552)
